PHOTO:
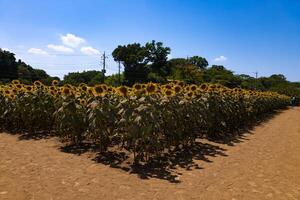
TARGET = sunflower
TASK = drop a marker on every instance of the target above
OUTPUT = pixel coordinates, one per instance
(203, 86)
(104, 87)
(212, 86)
(66, 91)
(177, 88)
(15, 91)
(53, 93)
(12, 96)
(83, 87)
(19, 86)
(137, 86)
(193, 88)
(190, 94)
(181, 83)
(110, 89)
(169, 87)
(7, 92)
(187, 88)
(15, 82)
(90, 91)
(28, 88)
(98, 90)
(123, 90)
(55, 82)
(169, 93)
(68, 86)
(38, 83)
(82, 101)
(151, 88)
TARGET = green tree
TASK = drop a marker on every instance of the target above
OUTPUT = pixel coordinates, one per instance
(157, 56)
(88, 77)
(219, 74)
(8, 66)
(113, 80)
(198, 61)
(134, 59)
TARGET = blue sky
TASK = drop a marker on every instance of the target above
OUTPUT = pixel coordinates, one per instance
(60, 36)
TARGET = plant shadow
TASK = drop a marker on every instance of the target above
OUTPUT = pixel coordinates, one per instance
(241, 135)
(163, 167)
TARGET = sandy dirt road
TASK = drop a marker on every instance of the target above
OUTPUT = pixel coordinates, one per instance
(262, 164)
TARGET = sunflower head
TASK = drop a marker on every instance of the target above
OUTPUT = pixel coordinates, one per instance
(137, 86)
(98, 90)
(123, 90)
(7, 92)
(110, 89)
(53, 93)
(38, 83)
(151, 88)
(177, 88)
(190, 94)
(83, 87)
(12, 96)
(169, 93)
(19, 86)
(193, 88)
(15, 82)
(169, 87)
(212, 86)
(187, 88)
(55, 82)
(82, 101)
(181, 83)
(29, 88)
(66, 91)
(51, 88)
(104, 87)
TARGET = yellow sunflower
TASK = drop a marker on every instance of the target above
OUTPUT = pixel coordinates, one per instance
(123, 90)
(137, 86)
(169, 93)
(66, 91)
(55, 82)
(177, 89)
(151, 88)
(15, 82)
(38, 83)
(98, 90)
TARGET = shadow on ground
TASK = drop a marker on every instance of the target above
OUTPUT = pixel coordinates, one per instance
(241, 135)
(163, 167)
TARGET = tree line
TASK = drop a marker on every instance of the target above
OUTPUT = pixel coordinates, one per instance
(150, 63)
(11, 68)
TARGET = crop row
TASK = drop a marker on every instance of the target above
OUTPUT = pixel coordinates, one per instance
(146, 119)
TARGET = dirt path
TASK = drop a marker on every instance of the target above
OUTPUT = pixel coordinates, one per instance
(262, 165)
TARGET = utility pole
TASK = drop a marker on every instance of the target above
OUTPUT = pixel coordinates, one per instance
(256, 76)
(119, 72)
(103, 68)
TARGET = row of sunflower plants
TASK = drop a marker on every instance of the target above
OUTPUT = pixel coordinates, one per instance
(146, 119)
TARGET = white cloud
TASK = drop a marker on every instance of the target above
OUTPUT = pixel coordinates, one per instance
(72, 40)
(90, 51)
(220, 59)
(60, 48)
(37, 51)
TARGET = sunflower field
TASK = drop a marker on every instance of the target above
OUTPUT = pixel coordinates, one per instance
(146, 119)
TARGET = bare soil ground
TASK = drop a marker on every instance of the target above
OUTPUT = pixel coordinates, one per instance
(261, 164)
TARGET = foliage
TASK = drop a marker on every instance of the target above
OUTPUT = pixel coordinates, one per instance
(198, 61)
(11, 69)
(88, 77)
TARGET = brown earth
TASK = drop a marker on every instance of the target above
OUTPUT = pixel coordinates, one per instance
(261, 164)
